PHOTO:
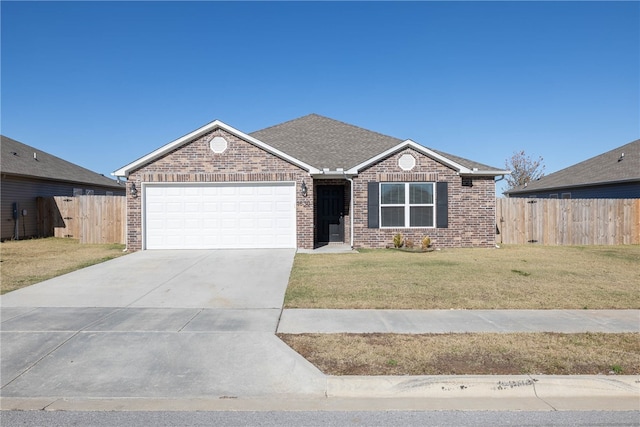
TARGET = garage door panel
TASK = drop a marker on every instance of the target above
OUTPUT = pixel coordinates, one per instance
(247, 207)
(250, 215)
(228, 191)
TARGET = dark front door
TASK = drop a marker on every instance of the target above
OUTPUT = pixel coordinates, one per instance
(330, 214)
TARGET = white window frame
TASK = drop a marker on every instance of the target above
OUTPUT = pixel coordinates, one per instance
(407, 205)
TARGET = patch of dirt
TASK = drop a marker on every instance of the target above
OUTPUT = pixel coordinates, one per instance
(470, 354)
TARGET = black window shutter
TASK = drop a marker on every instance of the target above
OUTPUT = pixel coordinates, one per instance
(442, 205)
(373, 197)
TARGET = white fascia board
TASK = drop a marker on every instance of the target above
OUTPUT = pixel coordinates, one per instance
(217, 124)
(410, 144)
(486, 173)
(124, 171)
(331, 175)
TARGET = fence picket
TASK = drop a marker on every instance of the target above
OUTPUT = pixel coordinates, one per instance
(569, 221)
(90, 219)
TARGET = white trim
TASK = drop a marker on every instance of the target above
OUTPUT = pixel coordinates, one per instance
(486, 173)
(217, 124)
(351, 215)
(460, 169)
(414, 145)
(407, 205)
(407, 162)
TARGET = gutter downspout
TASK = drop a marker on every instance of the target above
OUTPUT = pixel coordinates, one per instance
(350, 210)
(495, 221)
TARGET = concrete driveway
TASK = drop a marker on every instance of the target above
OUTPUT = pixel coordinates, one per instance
(155, 324)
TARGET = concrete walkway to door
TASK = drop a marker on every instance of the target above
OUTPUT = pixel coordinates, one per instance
(155, 324)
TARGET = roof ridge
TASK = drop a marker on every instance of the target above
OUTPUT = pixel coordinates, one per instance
(361, 128)
(285, 122)
(333, 120)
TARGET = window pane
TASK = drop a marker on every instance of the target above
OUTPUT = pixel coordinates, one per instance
(420, 193)
(421, 216)
(392, 217)
(392, 194)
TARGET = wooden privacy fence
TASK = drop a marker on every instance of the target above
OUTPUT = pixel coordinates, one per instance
(568, 221)
(90, 219)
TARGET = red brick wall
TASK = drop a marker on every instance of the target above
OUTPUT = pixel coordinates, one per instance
(241, 162)
(471, 209)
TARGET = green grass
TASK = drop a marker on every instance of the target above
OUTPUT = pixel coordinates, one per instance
(513, 277)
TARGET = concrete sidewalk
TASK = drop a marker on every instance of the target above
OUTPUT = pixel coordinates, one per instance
(194, 330)
(298, 321)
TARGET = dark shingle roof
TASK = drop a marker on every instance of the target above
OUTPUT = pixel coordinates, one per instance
(17, 159)
(466, 162)
(323, 142)
(326, 143)
(604, 168)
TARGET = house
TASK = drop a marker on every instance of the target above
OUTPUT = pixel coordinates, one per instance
(28, 173)
(305, 183)
(611, 175)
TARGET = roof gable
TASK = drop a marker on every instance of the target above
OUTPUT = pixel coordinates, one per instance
(23, 160)
(609, 167)
(217, 124)
(453, 162)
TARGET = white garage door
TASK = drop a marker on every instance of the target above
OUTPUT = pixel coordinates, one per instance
(216, 216)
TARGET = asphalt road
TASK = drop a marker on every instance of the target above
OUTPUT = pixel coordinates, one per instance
(319, 418)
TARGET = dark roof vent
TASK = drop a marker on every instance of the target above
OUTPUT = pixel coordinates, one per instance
(621, 158)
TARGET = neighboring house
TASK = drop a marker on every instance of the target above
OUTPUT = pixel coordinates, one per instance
(612, 175)
(28, 173)
(305, 183)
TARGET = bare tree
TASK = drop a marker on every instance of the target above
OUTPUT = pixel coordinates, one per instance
(523, 169)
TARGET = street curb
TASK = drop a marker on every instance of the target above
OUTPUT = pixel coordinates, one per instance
(485, 386)
(427, 393)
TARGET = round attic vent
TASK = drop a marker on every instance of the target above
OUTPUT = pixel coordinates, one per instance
(407, 162)
(218, 144)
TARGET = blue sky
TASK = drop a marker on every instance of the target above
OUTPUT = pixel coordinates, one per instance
(103, 83)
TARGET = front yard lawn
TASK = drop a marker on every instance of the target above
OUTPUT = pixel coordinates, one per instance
(25, 262)
(470, 354)
(512, 277)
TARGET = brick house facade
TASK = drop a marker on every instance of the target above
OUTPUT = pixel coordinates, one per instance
(196, 163)
(332, 204)
(471, 209)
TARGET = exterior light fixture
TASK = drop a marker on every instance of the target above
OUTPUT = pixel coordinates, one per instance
(133, 190)
(303, 189)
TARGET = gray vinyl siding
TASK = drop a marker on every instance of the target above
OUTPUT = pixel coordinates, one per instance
(24, 191)
(629, 190)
